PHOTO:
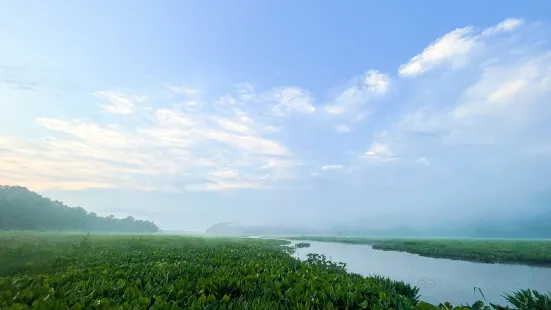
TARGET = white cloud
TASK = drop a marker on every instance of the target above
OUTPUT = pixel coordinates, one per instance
(173, 118)
(181, 90)
(228, 101)
(500, 97)
(364, 88)
(342, 128)
(192, 106)
(453, 48)
(89, 156)
(278, 169)
(271, 129)
(423, 120)
(335, 109)
(380, 150)
(220, 186)
(249, 144)
(120, 103)
(376, 82)
(332, 167)
(423, 161)
(507, 92)
(225, 173)
(245, 91)
(455, 44)
(163, 149)
(230, 125)
(507, 25)
(291, 100)
(98, 135)
(500, 100)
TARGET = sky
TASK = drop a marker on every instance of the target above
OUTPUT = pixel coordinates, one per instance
(190, 113)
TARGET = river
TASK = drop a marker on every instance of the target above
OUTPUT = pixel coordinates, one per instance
(439, 280)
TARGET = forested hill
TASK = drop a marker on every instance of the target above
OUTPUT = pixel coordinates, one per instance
(22, 209)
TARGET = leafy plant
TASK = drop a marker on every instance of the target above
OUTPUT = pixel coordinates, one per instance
(529, 299)
(66, 271)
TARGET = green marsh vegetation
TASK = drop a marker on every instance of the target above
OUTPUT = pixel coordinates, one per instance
(526, 252)
(171, 272)
(70, 271)
(301, 245)
(62, 269)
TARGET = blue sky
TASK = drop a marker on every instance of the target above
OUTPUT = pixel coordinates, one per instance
(190, 113)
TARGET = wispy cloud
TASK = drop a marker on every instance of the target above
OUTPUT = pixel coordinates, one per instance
(447, 49)
(507, 25)
(182, 90)
(496, 100)
(506, 90)
(362, 89)
(291, 100)
(167, 148)
(423, 161)
(453, 48)
(380, 152)
(230, 125)
(16, 78)
(487, 92)
(119, 102)
(341, 128)
(332, 167)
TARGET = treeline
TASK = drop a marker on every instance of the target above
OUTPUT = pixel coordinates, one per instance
(22, 209)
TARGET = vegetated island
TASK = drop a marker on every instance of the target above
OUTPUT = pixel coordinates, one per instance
(502, 251)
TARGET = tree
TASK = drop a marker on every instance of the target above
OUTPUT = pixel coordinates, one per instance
(21, 209)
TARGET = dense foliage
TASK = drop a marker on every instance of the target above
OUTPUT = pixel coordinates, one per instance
(528, 252)
(171, 272)
(301, 245)
(21, 209)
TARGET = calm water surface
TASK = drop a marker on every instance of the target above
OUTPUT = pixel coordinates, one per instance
(438, 279)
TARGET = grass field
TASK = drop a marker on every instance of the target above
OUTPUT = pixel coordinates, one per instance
(70, 271)
(526, 252)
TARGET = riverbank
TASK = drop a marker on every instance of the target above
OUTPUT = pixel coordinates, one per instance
(502, 251)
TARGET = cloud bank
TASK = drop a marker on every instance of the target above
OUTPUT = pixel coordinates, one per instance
(472, 95)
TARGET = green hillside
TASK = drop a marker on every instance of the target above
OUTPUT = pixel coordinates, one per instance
(22, 209)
